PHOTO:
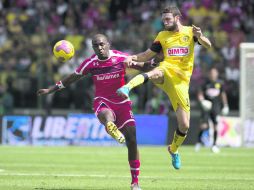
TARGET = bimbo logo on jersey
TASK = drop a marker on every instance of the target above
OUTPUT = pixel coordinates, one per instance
(105, 77)
(179, 51)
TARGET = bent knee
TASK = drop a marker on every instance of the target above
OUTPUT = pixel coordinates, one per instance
(184, 126)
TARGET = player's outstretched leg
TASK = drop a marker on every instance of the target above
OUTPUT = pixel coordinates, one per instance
(136, 81)
(114, 132)
(123, 91)
(176, 160)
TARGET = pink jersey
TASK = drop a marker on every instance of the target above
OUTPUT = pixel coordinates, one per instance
(108, 75)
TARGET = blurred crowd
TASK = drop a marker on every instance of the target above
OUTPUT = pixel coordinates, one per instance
(29, 29)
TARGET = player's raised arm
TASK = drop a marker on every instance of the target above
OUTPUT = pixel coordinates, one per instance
(204, 41)
(148, 65)
(141, 57)
(60, 84)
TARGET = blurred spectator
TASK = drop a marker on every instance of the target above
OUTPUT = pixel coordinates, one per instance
(232, 73)
(229, 53)
(29, 29)
(6, 101)
(157, 104)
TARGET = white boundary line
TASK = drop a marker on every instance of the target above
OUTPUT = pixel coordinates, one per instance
(116, 176)
(217, 167)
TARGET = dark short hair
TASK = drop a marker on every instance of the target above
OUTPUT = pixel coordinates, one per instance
(172, 9)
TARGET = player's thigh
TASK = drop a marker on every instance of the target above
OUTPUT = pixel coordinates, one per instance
(105, 115)
(156, 75)
(204, 117)
(178, 94)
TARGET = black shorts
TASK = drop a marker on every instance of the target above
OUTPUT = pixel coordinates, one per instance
(206, 115)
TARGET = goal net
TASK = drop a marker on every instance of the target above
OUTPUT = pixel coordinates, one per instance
(247, 92)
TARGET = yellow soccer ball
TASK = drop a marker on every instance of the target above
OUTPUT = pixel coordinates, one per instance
(63, 50)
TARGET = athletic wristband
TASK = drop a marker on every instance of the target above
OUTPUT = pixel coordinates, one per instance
(60, 85)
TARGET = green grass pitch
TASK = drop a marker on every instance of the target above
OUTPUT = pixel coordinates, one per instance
(106, 168)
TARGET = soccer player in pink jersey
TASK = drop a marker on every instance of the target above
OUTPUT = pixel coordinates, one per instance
(114, 112)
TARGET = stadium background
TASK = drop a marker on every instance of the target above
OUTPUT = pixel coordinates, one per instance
(28, 31)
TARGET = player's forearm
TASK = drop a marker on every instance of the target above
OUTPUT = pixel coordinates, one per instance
(224, 99)
(138, 66)
(140, 57)
(144, 56)
(64, 83)
(71, 79)
(204, 41)
(53, 89)
(200, 96)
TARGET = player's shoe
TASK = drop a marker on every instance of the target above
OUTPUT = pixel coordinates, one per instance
(215, 149)
(176, 161)
(123, 91)
(115, 133)
(135, 186)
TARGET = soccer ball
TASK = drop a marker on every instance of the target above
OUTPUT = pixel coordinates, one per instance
(63, 50)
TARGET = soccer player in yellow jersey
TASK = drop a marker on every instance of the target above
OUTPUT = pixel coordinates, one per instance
(173, 74)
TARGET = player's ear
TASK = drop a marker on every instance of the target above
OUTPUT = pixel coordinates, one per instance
(177, 18)
(109, 45)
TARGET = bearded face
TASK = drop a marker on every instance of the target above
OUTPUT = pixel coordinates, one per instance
(169, 21)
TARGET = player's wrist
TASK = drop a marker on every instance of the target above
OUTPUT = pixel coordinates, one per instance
(200, 36)
(59, 85)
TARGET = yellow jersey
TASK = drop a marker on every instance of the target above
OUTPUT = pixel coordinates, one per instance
(178, 50)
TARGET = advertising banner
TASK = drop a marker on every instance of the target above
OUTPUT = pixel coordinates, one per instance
(152, 129)
(248, 136)
(77, 129)
(229, 132)
(16, 130)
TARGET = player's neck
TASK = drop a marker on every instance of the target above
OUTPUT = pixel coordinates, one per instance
(179, 27)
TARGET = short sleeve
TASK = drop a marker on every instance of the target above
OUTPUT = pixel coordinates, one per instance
(84, 67)
(195, 39)
(156, 45)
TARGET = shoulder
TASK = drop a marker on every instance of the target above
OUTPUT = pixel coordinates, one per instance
(118, 53)
(162, 33)
(187, 29)
(89, 60)
(86, 64)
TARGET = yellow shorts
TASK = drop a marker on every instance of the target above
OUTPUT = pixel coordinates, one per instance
(176, 86)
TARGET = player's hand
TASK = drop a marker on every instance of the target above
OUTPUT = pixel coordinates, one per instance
(43, 92)
(206, 105)
(128, 61)
(196, 31)
(225, 110)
